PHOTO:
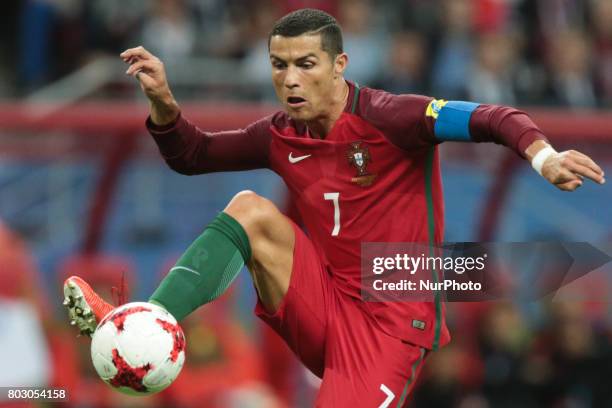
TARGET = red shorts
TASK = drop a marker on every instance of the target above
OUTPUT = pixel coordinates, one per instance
(361, 366)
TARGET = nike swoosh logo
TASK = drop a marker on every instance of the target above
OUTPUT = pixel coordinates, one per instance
(185, 269)
(294, 160)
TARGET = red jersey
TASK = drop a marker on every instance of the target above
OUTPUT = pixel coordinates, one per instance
(375, 177)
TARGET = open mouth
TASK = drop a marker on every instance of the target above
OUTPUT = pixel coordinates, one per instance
(295, 101)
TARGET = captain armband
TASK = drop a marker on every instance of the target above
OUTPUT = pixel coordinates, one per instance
(452, 119)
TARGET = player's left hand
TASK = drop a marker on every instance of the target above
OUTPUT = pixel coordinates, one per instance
(567, 170)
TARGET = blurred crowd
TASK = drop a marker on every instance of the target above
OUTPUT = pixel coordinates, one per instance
(503, 356)
(518, 52)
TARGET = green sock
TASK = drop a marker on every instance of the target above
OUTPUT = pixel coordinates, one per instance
(206, 269)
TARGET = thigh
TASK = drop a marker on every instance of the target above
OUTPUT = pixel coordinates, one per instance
(301, 317)
(364, 366)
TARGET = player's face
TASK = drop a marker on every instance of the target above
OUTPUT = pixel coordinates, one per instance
(303, 75)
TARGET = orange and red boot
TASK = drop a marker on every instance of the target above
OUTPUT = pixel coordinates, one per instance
(85, 307)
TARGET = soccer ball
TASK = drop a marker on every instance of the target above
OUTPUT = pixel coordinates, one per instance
(138, 348)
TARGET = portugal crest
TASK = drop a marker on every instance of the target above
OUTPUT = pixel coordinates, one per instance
(360, 158)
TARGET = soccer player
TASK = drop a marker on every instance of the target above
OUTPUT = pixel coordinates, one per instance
(362, 166)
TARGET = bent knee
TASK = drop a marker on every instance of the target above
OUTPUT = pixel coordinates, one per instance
(252, 211)
(271, 237)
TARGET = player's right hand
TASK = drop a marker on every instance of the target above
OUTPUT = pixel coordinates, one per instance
(151, 74)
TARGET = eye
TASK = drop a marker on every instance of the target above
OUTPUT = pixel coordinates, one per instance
(307, 64)
(278, 64)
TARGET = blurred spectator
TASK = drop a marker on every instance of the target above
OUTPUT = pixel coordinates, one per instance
(37, 22)
(52, 40)
(602, 14)
(442, 384)
(365, 44)
(170, 30)
(422, 16)
(222, 27)
(256, 65)
(112, 24)
(492, 15)
(24, 347)
(8, 48)
(455, 52)
(571, 64)
(555, 16)
(576, 357)
(492, 78)
(407, 67)
(504, 336)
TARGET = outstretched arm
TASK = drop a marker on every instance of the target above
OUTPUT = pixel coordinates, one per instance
(414, 121)
(187, 149)
(515, 129)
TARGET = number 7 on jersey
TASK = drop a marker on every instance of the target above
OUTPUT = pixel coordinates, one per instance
(335, 197)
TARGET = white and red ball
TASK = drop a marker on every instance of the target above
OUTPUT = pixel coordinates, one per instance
(138, 348)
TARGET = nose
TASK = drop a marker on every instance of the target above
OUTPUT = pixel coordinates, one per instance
(292, 77)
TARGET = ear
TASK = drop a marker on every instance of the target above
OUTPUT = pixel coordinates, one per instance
(340, 64)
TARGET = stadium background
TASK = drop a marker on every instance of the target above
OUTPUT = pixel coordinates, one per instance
(83, 190)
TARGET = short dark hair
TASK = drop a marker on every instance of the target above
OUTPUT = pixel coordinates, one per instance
(311, 21)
